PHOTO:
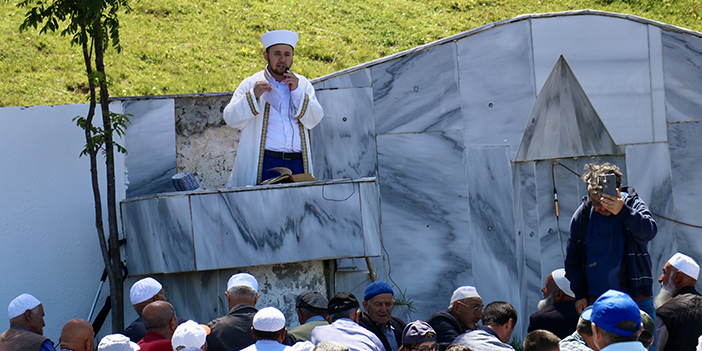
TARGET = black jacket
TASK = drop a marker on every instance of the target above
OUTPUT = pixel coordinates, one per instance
(233, 331)
(560, 319)
(446, 327)
(365, 321)
(682, 316)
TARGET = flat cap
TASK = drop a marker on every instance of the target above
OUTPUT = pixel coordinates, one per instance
(312, 300)
(342, 301)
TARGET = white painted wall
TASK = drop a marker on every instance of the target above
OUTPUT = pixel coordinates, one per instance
(49, 246)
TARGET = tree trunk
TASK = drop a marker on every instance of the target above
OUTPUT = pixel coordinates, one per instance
(115, 268)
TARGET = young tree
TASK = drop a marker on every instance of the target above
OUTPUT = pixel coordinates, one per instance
(94, 26)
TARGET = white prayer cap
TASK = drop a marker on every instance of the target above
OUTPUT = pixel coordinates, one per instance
(269, 319)
(144, 289)
(685, 264)
(21, 304)
(189, 334)
(562, 282)
(117, 342)
(244, 279)
(281, 36)
(463, 292)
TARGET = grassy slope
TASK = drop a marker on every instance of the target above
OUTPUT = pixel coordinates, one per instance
(191, 46)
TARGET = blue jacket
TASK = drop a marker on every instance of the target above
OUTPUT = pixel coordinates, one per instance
(639, 228)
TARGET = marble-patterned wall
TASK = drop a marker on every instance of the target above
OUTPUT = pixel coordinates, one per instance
(440, 126)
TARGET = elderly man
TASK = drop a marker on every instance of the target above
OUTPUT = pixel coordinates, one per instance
(378, 301)
(232, 332)
(581, 339)
(607, 248)
(268, 328)
(616, 322)
(77, 335)
(160, 321)
(463, 314)
(117, 342)
(274, 109)
(679, 310)
(142, 293)
(499, 320)
(541, 340)
(344, 313)
(190, 334)
(26, 326)
(311, 307)
(557, 312)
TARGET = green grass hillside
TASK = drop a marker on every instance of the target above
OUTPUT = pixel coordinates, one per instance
(195, 46)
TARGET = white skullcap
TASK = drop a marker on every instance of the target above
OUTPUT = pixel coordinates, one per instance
(117, 342)
(269, 319)
(463, 292)
(189, 334)
(144, 289)
(685, 264)
(279, 37)
(21, 304)
(244, 279)
(562, 282)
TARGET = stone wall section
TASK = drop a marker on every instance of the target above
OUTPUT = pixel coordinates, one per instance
(205, 145)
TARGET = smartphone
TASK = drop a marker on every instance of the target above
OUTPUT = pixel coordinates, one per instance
(609, 184)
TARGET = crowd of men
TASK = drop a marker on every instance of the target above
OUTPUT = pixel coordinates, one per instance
(613, 322)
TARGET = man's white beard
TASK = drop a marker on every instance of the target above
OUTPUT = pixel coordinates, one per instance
(545, 302)
(666, 293)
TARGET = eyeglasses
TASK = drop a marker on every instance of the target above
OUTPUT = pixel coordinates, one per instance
(434, 347)
(476, 309)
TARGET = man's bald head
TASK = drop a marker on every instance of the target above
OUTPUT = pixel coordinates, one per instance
(160, 318)
(77, 335)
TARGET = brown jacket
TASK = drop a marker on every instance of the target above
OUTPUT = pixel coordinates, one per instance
(18, 338)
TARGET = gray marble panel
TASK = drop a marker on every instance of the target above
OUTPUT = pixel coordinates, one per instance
(343, 143)
(355, 79)
(370, 205)
(150, 143)
(278, 224)
(660, 125)
(685, 142)
(159, 235)
(682, 62)
(492, 226)
(418, 92)
(424, 212)
(648, 167)
(610, 57)
(497, 85)
(529, 235)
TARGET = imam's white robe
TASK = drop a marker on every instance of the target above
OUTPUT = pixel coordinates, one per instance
(249, 114)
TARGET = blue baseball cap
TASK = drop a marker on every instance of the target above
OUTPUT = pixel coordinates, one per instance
(587, 313)
(614, 307)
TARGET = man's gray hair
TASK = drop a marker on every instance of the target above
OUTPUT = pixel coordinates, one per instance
(343, 314)
(593, 174)
(242, 291)
(330, 346)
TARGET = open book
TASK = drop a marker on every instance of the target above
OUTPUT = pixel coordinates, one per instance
(286, 176)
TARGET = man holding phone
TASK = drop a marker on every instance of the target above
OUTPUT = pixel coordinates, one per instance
(274, 109)
(609, 235)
